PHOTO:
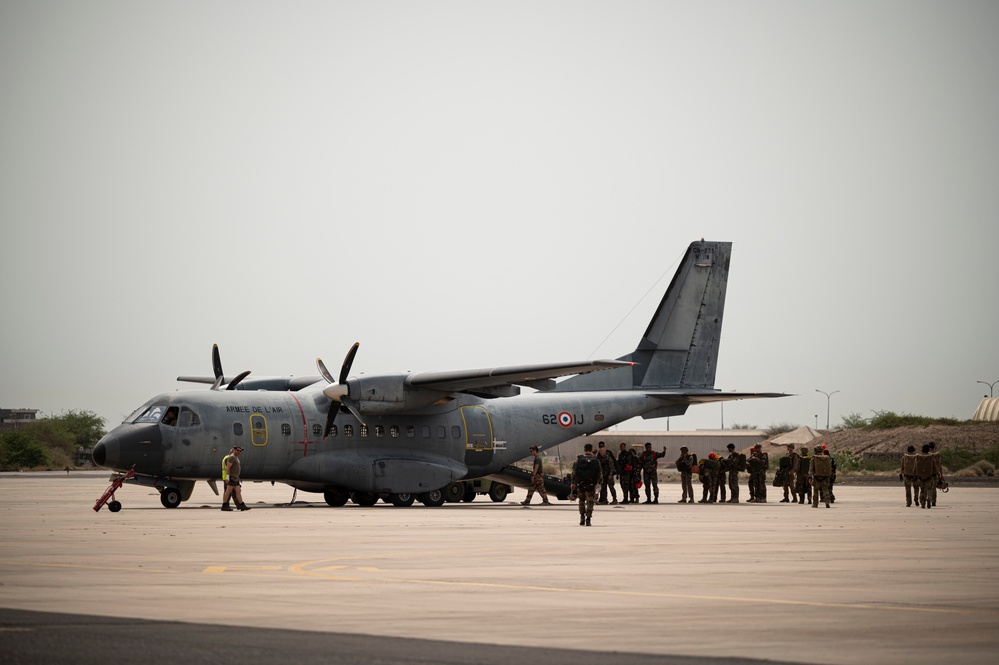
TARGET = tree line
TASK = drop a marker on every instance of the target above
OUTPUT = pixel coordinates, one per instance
(51, 443)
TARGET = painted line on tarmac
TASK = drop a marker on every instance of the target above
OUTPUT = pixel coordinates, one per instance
(23, 564)
(300, 569)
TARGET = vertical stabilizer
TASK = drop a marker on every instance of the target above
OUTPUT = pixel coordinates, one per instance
(680, 346)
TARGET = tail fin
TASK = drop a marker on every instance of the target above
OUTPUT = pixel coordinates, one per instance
(679, 349)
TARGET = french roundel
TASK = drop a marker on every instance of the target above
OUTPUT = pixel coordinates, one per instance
(565, 419)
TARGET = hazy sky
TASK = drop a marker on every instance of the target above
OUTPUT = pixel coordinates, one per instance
(470, 184)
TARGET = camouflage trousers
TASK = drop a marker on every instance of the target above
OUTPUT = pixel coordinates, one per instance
(651, 480)
(926, 487)
(820, 486)
(758, 485)
(910, 484)
(587, 497)
(537, 485)
(733, 486)
(608, 483)
(686, 482)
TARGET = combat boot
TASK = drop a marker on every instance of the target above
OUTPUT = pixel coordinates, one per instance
(588, 522)
(582, 521)
(226, 506)
(242, 506)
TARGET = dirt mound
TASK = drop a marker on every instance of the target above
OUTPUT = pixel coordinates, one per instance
(977, 437)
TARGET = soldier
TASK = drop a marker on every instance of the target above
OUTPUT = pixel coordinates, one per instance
(537, 481)
(758, 462)
(790, 473)
(586, 477)
(736, 463)
(649, 461)
(626, 464)
(722, 482)
(938, 469)
(832, 478)
(819, 473)
(906, 476)
(709, 470)
(609, 469)
(801, 486)
(685, 465)
(924, 470)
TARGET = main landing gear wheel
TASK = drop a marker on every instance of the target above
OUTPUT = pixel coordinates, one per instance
(498, 492)
(335, 498)
(402, 500)
(170, 497)
(366, 499)
(433, 498)
(469, 494)
(453, 492)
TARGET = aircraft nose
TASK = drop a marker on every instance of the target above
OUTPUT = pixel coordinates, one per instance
(107, 450)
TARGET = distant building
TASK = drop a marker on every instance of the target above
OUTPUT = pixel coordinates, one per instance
(988, 409)
(14, 418)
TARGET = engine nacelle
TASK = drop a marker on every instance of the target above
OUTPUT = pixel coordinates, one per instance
(386, 394)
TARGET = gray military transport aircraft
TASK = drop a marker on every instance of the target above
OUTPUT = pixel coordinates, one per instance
(413, 436)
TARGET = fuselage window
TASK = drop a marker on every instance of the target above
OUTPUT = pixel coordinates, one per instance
(348, 430)
(317, 430)
(455, 432)
(379, 431)
(410, 431)
(237, 429)
(441, 432)
(188, 418)
(364, 431)
(332, 430)
(425, 432)
(394, 431)
(286, 429)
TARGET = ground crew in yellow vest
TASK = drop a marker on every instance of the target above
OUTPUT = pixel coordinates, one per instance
(537, 480)
(906, 475)
(801, 486)
(925, 472)
(232, 484)
(819, 473)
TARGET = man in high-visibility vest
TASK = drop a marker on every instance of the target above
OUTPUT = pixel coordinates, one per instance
(230, 474)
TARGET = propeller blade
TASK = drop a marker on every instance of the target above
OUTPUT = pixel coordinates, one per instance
(322, 370)
(349, 403)
(330, 419)
(217, 363)
(235, 382)
(218, 382)
(347, 362)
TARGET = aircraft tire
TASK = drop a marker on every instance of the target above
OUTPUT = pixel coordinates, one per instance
(366, 499)
(170, 497)
(469, 495)
(433, 498)
(114, 506)
(402, 500)
(498, 492)
(335, 497)
(453, 492)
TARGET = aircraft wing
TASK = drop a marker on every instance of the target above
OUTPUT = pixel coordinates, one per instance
(538, 376)
(707, 397)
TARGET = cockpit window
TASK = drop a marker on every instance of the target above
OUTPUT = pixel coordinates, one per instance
(188, 418)
(152, 415)
(171, 416)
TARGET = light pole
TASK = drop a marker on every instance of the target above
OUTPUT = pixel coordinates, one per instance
(828, 399)
(990, 385)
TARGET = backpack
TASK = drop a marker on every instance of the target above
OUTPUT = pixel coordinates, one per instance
(587, 471)
(741, 465)
(823, 466)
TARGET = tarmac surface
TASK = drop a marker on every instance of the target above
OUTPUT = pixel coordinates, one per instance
(866, 581)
